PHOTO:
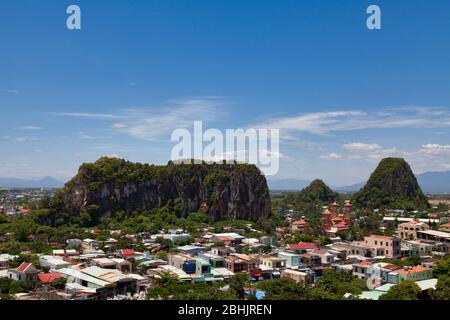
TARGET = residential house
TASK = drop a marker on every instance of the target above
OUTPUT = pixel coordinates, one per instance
(241, 262)
(25, 272)
(122, 283)
(326, 258)
(183, 262)
(417, 273)
(53, 262)
(221, 251)
(89, 244)
(215, 260)
(297, 276)
(301, 247)
(113, 263)
(292, 259)
(192, 250)
(273, 262)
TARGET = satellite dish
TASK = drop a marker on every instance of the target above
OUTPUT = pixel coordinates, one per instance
(375, 279)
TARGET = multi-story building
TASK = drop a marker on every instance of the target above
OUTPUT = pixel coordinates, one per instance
(408, 230)
(389, 245)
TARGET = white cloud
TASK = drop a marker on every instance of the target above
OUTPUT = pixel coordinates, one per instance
(96, 116)
(331, 156)
(435, 149)
(11, 91)
(83, 136)
(22, 139)
(369, 151)
(348, 120)
(151, 125)
(29, 128)
(359, 146)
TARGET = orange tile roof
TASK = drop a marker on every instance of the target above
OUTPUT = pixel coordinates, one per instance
(413, 270)
(49, 277)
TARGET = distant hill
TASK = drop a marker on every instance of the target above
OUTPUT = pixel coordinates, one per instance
(430, 182)
(435, 182)
(353, 188)
(47, 182)
(392, 185)
(317, 191)
(288, 184)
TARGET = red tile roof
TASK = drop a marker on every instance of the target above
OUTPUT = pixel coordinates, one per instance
(127, 252)
(300, 223)
(341, 225)
(49, 277)
(302, 246)
(24, 266)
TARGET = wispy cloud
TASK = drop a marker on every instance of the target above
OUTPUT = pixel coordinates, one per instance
(154, 123)
(433, 149)
(331, 156)
(24, 139)
(10, 91)
(367, 151)
(349, 120)
(29, 128)
(84, 136)
(151, 125)
(95, 116)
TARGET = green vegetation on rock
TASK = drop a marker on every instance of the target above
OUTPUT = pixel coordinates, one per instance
(100, 189)
(393, 186)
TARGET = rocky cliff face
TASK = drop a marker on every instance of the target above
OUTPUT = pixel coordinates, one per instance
(237, 191)
(392, 185)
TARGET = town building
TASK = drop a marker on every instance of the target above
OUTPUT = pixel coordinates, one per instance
(408, 230)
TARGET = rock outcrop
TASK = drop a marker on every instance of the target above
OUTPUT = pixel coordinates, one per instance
(392, 185)
(237, 191)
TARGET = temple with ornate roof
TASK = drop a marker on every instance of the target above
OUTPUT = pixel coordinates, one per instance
(334, 220)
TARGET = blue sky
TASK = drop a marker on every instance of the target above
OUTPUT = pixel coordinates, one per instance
(343, 96)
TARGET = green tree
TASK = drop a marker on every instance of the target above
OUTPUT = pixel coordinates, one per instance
(238, 283)
(442, 291)
(442, 267)
(405, 290)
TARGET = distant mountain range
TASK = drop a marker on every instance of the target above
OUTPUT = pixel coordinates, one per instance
(47, 183)
(430, 182)
(288, 184)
